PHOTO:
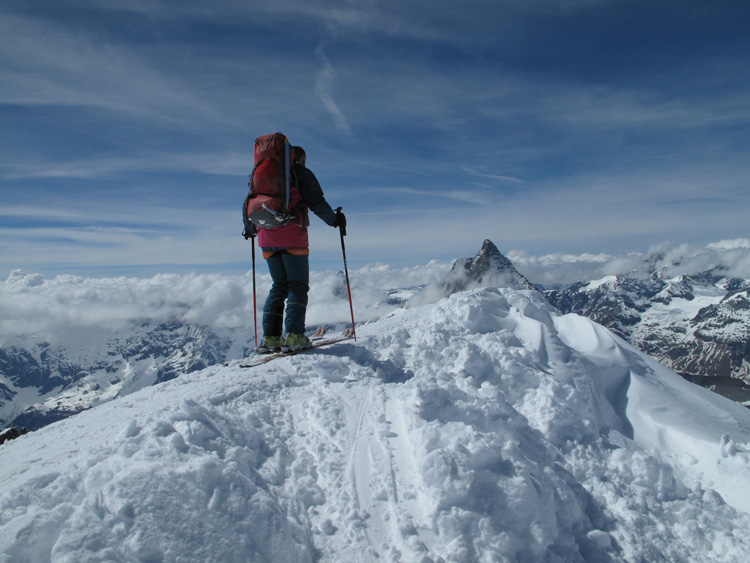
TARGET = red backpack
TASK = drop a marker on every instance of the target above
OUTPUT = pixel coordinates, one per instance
(271, 201)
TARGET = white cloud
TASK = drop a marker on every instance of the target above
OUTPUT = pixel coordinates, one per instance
(689, 259)
(47, 64)
(324, 86)
(735, 244)
(104, 166)
(595, 106)
(491, 176)
(83, 309)
(475, 149)
(73, 307)
(168, 85)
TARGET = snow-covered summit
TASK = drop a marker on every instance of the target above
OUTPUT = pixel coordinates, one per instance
(485, 427)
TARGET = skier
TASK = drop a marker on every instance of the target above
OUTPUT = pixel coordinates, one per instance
(286, 251)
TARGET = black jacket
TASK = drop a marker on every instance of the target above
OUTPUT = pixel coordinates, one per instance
(312, 194)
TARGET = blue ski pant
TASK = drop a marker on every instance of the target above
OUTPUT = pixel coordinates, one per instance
(290, 274)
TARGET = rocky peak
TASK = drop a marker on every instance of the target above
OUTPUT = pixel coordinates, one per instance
(488, 268)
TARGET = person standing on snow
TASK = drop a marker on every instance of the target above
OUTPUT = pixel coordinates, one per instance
(286, 251)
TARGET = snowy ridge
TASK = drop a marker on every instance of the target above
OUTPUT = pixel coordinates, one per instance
(486, 427)
(697, 325)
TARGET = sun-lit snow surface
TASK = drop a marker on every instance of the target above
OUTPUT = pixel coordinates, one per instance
(486, 427)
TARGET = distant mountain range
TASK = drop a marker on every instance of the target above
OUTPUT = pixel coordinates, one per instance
(698, 325)
(70, 380)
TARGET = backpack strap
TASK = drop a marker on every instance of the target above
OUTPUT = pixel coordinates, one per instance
(287, 194)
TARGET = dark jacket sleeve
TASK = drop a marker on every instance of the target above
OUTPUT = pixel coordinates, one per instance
(312, 193)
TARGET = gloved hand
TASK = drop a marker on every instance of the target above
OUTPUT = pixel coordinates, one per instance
(250, 230)
(340, 219)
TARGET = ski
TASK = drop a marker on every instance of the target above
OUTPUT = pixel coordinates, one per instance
(319, 341)
(319, 333)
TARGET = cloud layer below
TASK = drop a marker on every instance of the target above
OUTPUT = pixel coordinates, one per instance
(75, 310)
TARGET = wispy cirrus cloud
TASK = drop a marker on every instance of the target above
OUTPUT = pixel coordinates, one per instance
(325, 82)
(108, 166)
(472, 116)
(491, 176)
(47, 64)
(343, 21)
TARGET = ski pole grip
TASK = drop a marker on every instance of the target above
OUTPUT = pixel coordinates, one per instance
(341, 221)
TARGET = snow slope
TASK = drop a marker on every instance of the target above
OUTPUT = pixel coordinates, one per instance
(698, 324)
(485, 427)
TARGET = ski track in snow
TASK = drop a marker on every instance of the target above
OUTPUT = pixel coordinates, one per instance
(486, 427)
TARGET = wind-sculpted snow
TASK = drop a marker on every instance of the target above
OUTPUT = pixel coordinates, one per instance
(486, 427)
(697, 325)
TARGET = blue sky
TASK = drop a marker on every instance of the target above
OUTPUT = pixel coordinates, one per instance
(548, 126)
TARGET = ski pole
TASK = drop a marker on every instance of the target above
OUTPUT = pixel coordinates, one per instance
(342, 232)
(249, 233)
(255, 306)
